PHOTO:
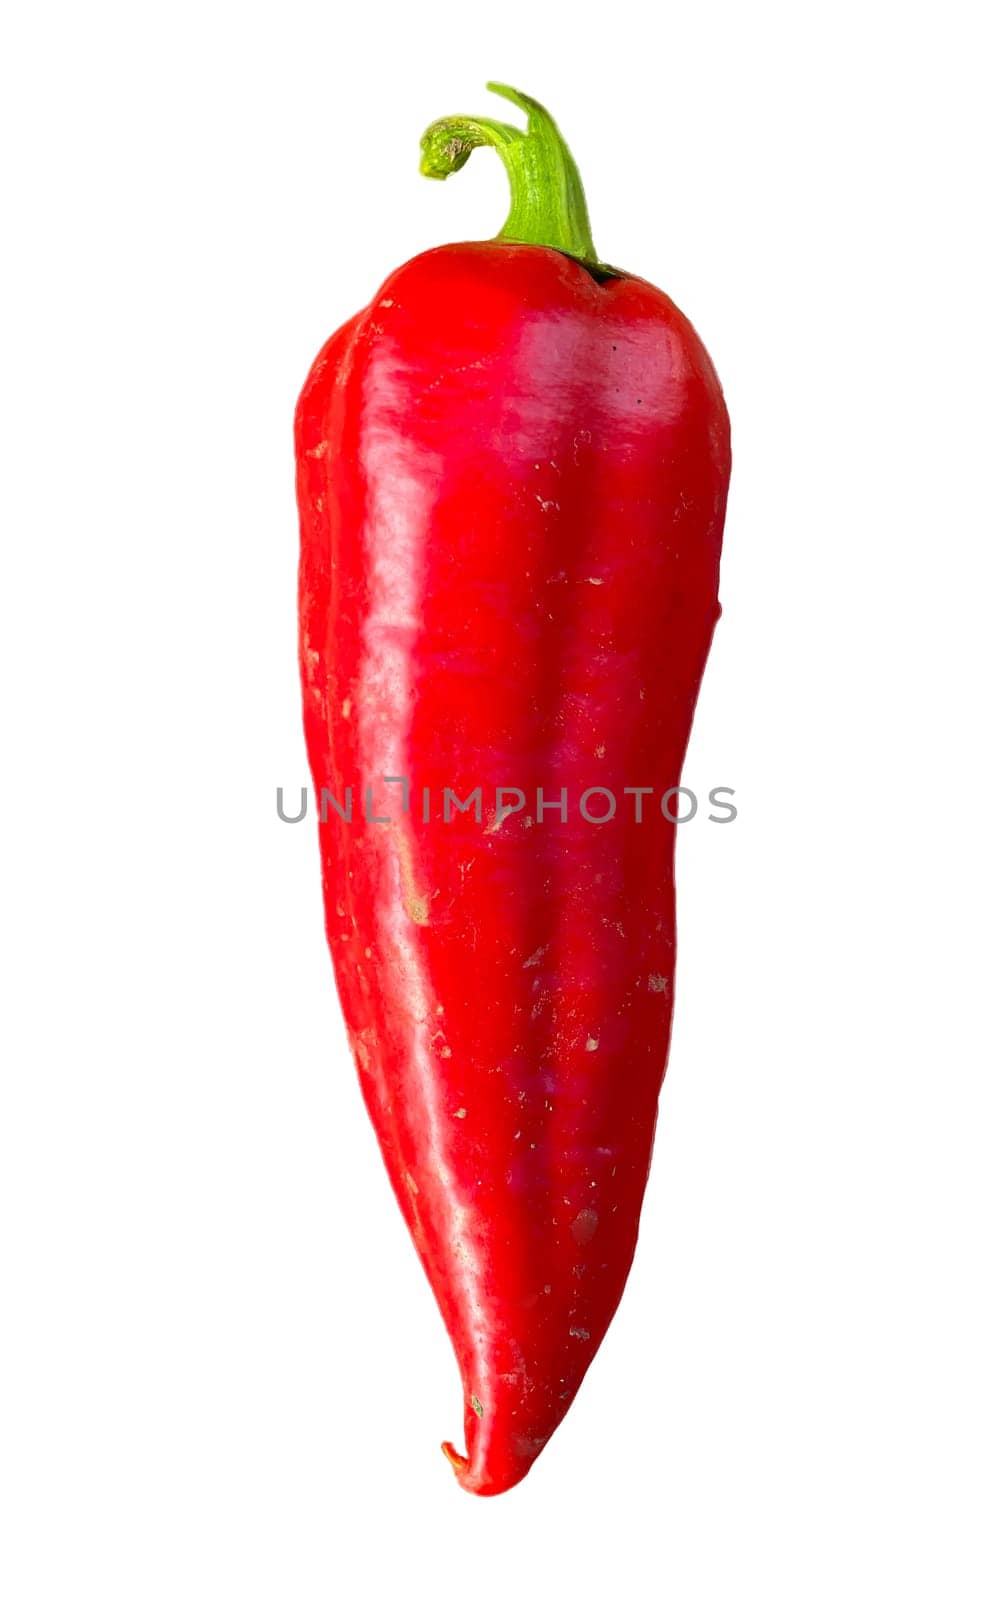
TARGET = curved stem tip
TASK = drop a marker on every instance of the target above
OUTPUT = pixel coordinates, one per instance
(547, 203)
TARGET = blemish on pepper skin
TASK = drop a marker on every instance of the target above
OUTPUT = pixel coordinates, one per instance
(657, 983)
(584, 1225)
(346, 707)
(579, 1333)
(417, 905)
(476, 1406)
(361, 1045)
(592, 1044)
(319, 450)
(462, 1112)
(411, 1183)
(527, 1444)
(535, 959)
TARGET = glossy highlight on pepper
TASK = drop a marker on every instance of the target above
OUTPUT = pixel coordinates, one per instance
(512, 470)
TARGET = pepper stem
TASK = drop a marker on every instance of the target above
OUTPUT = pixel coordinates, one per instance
(547, 203)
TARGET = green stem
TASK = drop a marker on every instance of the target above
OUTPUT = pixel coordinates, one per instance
(547, 203)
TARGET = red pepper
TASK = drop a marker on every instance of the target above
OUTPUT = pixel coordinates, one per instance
(512, 470)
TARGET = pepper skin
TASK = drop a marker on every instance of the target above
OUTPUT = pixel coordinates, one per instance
(512, 470)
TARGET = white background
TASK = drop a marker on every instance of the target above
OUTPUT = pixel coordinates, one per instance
(222, 1372)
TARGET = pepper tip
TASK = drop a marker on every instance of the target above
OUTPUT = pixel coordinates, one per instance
(457, 1461)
